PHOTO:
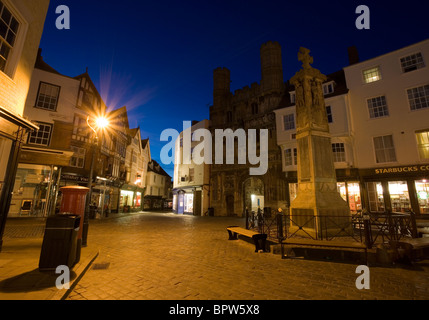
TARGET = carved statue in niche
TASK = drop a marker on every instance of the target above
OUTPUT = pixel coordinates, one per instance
(300, 105)
(318, 110)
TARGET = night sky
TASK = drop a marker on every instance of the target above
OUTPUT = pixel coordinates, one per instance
(157, 57)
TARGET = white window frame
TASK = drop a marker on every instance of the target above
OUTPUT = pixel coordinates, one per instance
(414, 98)
(374, 110)
(49, 85)
(328, 88)
(34, 134)
(16, 52)
(293, 157)
(365, 79)
(418, 65)
(289, 122)
(339, 152)
(384, 149)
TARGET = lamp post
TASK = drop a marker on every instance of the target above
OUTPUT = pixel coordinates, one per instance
(100, 123)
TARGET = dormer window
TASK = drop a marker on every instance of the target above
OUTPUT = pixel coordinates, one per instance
(328, 88)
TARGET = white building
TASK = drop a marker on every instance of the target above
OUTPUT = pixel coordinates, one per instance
(389, 99)
(157, 187)
(191, 182)
(378, 114)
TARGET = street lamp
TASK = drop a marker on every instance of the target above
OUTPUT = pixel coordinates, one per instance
(98, 123)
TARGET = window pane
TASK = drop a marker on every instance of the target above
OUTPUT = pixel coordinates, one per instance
(418, 97)
(384, 149)
(372, 75)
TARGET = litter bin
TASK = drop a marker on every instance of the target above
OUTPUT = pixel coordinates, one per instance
(59, 246)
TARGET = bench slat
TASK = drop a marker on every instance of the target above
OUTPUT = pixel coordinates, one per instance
(242, 231)
(324, 243)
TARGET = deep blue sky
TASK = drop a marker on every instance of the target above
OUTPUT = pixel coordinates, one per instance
(158, 57)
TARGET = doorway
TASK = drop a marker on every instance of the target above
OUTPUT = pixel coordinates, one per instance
(253, 194)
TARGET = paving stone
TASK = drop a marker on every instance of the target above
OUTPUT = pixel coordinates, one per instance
(160, 256)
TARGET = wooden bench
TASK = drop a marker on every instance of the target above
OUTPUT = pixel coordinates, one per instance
(259, 239)
(413, 247)
(297, 242)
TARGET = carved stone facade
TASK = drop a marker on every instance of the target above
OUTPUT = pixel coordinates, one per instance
(249, 108)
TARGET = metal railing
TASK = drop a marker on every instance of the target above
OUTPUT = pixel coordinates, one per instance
(363, 227)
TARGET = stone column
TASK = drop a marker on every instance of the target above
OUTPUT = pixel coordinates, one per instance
(318, 211)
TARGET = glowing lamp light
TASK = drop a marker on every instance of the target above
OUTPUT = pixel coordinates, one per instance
(101, 122)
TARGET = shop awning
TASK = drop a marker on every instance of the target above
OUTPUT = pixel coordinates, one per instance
(17, 120)
(43, 156)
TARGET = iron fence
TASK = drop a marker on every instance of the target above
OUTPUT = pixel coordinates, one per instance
(363, 227)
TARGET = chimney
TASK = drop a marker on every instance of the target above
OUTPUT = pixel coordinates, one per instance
(353, 55)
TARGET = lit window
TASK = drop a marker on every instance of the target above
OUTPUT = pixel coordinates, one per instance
(339, 152)
(378, 107)
(412, 62)
(418, 97)
(8, 32)
(78, 158)
(41, 137)
(423, 144)
(48, 96)
(384, 149)
(372, 75)
(289, 122)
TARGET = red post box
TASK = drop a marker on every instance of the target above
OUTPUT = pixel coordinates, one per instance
(74, 201)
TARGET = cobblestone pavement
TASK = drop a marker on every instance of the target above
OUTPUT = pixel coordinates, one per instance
(167, 257)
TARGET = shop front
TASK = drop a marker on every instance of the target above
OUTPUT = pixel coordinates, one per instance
(397, 189)
(33, 191)
(130, 198)
(187, 201)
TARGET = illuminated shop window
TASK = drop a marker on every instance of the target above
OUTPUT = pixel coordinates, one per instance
(422, 189)
(399, 196)
(375, 196)
(189, 202)
(353, 193)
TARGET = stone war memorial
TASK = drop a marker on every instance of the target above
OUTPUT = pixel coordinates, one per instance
(318, 210)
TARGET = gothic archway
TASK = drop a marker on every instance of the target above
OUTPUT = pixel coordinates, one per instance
(253, 194)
